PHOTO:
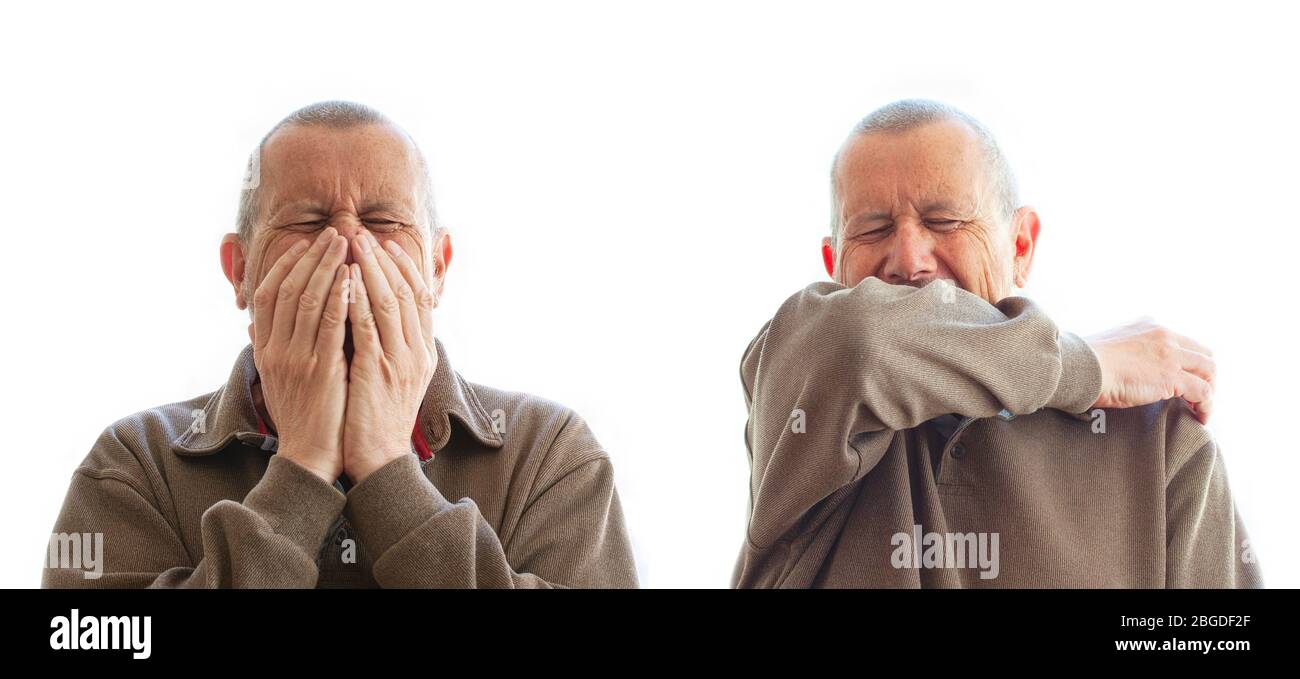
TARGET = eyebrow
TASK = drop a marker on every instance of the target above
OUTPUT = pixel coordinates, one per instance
(383, 206)
(939, 206)
(868, 217)
(315, 207)
(298, 206)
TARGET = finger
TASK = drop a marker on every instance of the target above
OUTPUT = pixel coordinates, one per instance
(402, 290)
(267, 291)
(333, 319)
(424, 298)
(1189, 343)
(405, 293)
(1198, 364)
(365, 336)
(1203, 410)
(315, 296)
(384, 304)
(286, 302)
(1192, 388)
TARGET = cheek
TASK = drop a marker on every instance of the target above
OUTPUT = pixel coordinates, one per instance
(857, 261)
(270, 248)
(974, 262)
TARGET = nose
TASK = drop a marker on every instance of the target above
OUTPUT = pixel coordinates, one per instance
(911, 258)
(349, 227)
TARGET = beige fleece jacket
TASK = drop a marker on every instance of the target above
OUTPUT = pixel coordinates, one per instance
(518, 493)
(855, 481)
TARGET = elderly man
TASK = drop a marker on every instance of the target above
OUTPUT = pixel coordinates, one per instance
(344, 451)
(912, 424)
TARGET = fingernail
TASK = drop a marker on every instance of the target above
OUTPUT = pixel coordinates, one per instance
(393, 248)
(364, 241)
(298, 248)
(324, 236)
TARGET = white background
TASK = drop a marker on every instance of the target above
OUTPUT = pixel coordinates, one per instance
(633, 190)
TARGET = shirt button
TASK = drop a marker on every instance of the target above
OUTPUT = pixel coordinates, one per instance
(958, 451)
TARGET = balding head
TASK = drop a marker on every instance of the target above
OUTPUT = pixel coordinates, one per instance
(333, 165)
(909, 114)
(920, 191)
(339, 115)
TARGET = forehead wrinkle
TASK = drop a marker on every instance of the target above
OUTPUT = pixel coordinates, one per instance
(913, 186)
(388, 191)
(347, 190)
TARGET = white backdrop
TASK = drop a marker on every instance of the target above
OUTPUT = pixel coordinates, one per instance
(633, 189)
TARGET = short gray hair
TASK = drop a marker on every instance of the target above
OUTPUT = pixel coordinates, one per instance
(908, 114)
(339, 115)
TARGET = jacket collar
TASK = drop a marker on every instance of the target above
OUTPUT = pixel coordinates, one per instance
(229, 414)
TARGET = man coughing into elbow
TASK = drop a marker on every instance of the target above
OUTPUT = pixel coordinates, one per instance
(913, 423)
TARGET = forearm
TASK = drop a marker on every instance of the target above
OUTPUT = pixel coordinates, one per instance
(888, 357)
(271, 539)
(838, 371)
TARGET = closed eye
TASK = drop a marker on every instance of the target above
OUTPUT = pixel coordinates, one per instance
(382, 224)
(875, 234)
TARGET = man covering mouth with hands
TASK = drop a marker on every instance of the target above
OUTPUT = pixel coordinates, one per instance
(344, 451)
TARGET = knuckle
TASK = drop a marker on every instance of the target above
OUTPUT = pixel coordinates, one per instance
(286, 293)
(426, 299)
(330, 319)
(264, 296)
(308, 301)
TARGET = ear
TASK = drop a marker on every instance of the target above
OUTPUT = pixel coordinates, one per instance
(828, 256)
(442, 252)
(232, 264)
(1026, 244)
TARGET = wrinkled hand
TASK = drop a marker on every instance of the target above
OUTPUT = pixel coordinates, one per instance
(299, 318)
(394, 356)
(1143, 363)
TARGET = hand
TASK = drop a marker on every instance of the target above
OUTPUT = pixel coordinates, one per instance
(1144, 363)
(393, 358)
(299, 321)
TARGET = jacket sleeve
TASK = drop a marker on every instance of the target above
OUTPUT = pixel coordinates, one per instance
(270, 539)
(570, 535)
(837, 371)
(1207, 542)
